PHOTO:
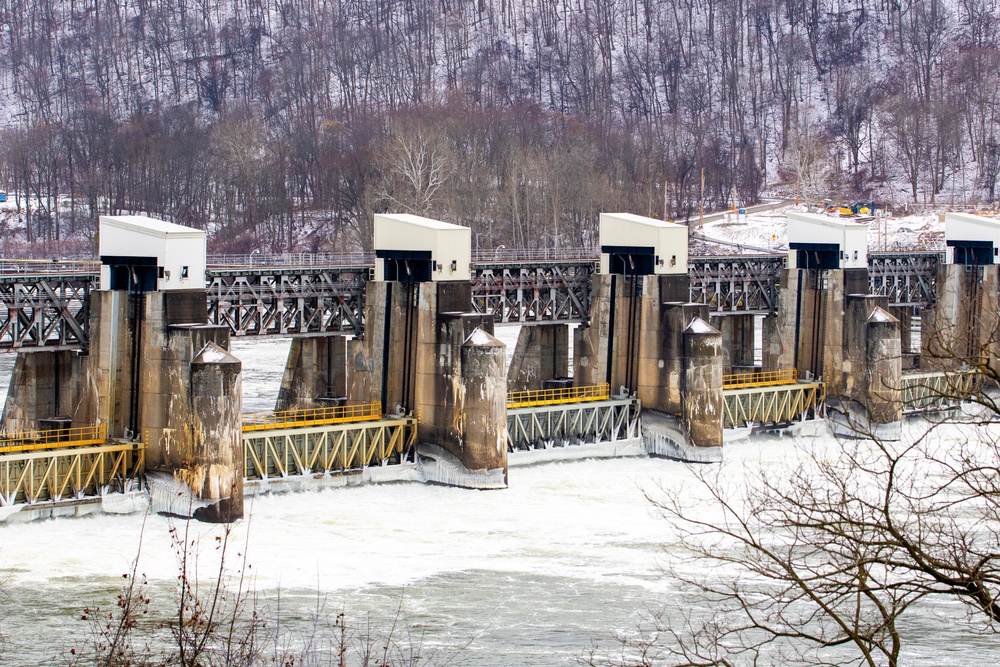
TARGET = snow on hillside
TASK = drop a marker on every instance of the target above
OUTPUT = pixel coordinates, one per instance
(767, 230)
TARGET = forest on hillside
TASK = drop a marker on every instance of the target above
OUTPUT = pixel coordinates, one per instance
(285, 124)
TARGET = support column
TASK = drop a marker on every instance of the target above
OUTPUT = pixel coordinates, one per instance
(904, 315)
(702, 386)
(482, 412)
(591, 342)
(190, 403)
(316, 370)
(883, 370)
(213, 467)
(460, 391)
(542, 353)
(781, 328)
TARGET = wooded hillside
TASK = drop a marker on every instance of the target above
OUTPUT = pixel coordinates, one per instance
(520, 118)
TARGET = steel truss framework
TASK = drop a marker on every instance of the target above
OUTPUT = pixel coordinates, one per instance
(283, 453)
(908, 279)
(604, 421)
(737, 284)
(542, 291)
(53, 311)
(926, 392)
(781, 404)
(261, 302)
(69, 475)
(45, 311)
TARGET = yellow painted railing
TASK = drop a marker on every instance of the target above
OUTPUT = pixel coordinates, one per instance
(340, 414)
(527, 399)
(29, 441)
(764, 379)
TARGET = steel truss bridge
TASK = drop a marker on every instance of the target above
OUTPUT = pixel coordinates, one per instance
(939, 390)
(47, 305)
(558, 425)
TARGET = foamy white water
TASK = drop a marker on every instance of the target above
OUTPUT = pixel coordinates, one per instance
(533, 575)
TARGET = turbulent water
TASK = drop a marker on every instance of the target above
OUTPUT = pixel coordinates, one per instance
(534, 575)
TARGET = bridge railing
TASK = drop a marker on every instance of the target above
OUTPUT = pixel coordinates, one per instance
(536, 397)
(337, 414)
(29, 441)
(292, 259)
(520, 255)
(759, 379)
(54, 266)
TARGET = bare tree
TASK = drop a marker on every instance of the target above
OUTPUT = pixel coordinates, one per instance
(416, 163)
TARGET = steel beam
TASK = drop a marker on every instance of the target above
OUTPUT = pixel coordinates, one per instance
(317, 450)
(283, 301)
(539, 291)
(744, 284)
(602, 421)
(45, 311)
(942, 390)
(69, 475)
(780, 404)
(908, 279)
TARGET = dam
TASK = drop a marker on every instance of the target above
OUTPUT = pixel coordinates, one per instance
(125, 387)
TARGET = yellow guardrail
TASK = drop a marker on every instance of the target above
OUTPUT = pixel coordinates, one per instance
(340, 414)
(29, 441)
(763, 379)
(527, 399)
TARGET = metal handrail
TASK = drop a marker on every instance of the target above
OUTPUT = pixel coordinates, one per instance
(54, 266)
(760, 379)
(535, 397)
(58, 438)
(338, 414)
(286, 260)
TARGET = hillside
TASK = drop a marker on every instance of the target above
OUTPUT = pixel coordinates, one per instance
(285, 124)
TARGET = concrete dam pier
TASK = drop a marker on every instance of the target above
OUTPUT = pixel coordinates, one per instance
(125, 391)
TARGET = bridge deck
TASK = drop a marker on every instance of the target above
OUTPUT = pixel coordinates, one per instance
(560, 396)
(338, 414)
(30, 441)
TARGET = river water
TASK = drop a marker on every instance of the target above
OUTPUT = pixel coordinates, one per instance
(537, 574)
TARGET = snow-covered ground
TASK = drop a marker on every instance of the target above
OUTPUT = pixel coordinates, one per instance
(768, 230)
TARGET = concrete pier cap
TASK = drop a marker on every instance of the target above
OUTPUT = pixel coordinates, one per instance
(411, 248)
(637, 245)
(971, 239)
(817, 241)
(149, 255)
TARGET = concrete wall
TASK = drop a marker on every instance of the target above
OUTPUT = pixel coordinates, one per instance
(541, 353)
(779, 330)
(738, 342)
(316, 369)
(591, 341)
(961, 326)
(50, 385)
(113, 335)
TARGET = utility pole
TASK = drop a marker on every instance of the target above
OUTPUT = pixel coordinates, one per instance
(701, 217)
